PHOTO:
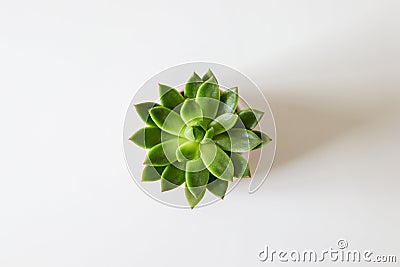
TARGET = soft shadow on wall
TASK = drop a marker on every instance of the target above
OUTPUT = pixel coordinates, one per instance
(311, 120)
(305, 124)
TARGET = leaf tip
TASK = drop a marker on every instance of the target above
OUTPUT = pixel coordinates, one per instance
(212, 80)
(163, 89)
(258, 114)
(147, 161)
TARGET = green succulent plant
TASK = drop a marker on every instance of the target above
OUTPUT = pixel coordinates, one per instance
(195, 138)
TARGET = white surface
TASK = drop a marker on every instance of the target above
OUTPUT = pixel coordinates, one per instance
(70, 68)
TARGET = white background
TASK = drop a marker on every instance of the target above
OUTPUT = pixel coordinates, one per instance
(68, 70)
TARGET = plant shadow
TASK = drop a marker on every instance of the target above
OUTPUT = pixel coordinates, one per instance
(305, 125)
(308, 122)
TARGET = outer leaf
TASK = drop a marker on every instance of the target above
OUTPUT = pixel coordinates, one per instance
(208, 75)
(164, 153)
(217, 186)
(250, 117)
(241, 165)
(208, 98)
(192, 86)
(216, 161)
(149, 136)
(196, 177)
(151, 173)
(167, 119)
(237, 140)
(192, 113)
(188, 151)
(169, 97)
(192, 200)
(265, 139)
(230, 99)
(143, 111)
(173, 176)
(223, 123)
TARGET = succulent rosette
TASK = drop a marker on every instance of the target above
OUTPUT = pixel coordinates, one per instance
(196, 138)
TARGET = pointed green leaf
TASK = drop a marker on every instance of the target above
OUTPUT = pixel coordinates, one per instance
(151, 173)
(192, 200)
(208, 75)
(223, 123)
(149, 136)
(188, 133)
(188, 151)
(237, 140)
(198, 133)
(265, 139)
(208, 136)
(170, 97)
(196, 177)
(217, 186)
(250, 117)
(142, 110)
(195, 133)
(192, 86)
(173, 176)
(192, 113)
(216, 161)
(229, 101)
(241, 166)
(208, 98)
(164, 153)
(167, 119)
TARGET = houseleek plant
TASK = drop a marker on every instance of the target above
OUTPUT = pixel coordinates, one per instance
(196, 138)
